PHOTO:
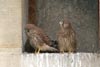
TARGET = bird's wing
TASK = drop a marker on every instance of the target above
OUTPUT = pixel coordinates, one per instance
(44, 36)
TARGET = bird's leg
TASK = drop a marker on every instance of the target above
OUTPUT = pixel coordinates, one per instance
(61, 51)
(69, 52)
(38, 51)
(35, 51)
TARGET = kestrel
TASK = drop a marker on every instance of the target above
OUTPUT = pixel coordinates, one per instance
(38, 38)
(66, 37)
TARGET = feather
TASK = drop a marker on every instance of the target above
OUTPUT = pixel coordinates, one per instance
(66, 37)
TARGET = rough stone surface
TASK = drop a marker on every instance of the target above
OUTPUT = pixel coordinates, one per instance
(61, 60)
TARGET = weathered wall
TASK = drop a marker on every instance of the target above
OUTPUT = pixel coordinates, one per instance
(10, 33)
(10, 23)
(32, 11)
(61, 60)
(10, 57)
(99, 23)
(24, 21)
(82, 13)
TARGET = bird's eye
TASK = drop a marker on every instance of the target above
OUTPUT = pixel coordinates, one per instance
(26, 30)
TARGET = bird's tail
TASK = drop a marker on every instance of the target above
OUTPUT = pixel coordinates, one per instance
(49, 48)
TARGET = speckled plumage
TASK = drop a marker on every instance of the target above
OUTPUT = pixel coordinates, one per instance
(38, 38)
(66, 37)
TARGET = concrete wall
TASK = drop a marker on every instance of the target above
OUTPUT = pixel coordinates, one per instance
(10, 33)
(10, 23)
(99, 23)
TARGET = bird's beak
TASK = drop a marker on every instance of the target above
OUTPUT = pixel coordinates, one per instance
(26, 30)
(61, 22)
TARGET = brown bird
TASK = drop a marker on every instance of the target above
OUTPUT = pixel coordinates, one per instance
(38, 39)
(66, 37)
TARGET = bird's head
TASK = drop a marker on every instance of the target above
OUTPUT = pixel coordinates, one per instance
(61, 23)
(29, 27)
(64, 24)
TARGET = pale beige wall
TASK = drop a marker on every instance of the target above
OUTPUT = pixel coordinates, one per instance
(10, 33)
(10, 23)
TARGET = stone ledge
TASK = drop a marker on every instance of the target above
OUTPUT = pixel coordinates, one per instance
(61, 60)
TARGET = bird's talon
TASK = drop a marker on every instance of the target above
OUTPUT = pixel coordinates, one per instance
(38, 51)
